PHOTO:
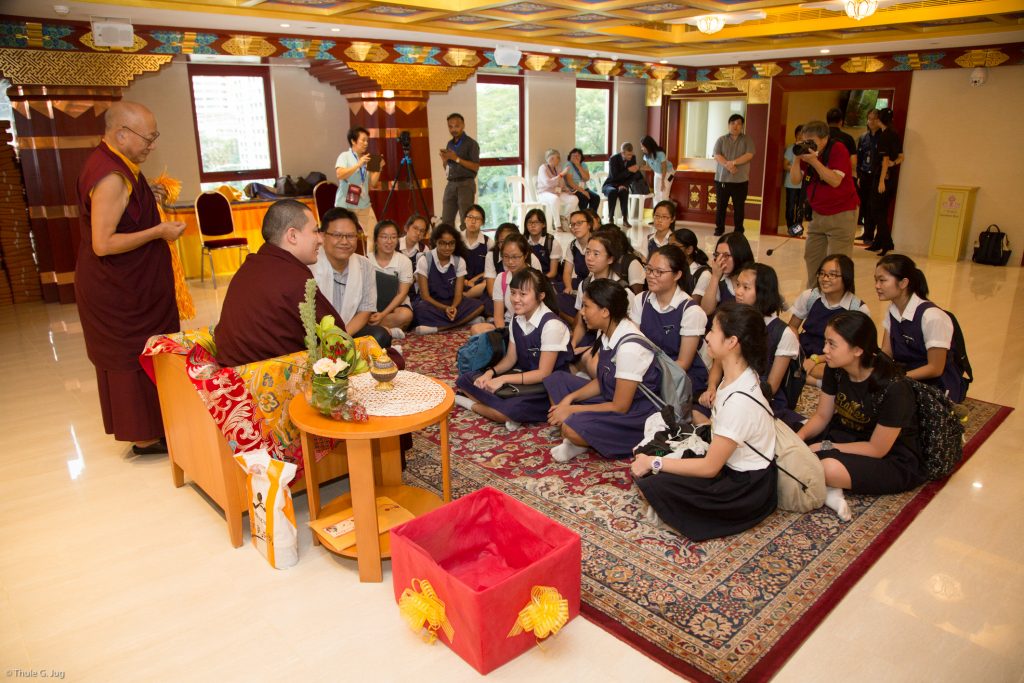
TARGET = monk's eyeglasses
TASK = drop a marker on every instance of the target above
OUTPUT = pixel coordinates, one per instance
(150, 141)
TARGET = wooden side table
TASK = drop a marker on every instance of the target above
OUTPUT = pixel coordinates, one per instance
(375, 469)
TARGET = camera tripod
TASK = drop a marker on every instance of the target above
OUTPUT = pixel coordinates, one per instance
(410, 177)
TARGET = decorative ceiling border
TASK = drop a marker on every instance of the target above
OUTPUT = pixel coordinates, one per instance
(68, 37)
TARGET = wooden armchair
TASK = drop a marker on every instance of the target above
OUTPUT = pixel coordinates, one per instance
(199, 451)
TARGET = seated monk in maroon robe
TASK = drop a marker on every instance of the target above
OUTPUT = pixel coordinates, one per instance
(124, 285)
(260, 316)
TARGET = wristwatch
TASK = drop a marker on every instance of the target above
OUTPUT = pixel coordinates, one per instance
(656, 465)
(826, 445)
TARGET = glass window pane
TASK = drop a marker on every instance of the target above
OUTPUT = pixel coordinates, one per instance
(497, 120)
(592, 120)
(493, 195)
(231, 115)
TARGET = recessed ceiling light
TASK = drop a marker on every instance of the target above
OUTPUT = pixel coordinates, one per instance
(335, 29)
(664, 61)
(555, 49)
(286, 25)
(825, 51)
(62, 10)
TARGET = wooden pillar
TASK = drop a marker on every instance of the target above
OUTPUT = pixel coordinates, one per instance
(57, 129)
(386, 118)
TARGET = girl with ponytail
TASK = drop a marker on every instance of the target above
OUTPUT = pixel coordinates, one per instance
(865, 427)
(918, 334)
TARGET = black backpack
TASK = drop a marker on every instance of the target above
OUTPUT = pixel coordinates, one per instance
(940, 431)
(992, 247)
(959, 352)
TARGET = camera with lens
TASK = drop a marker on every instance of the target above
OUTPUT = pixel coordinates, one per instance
(804, 147)
(405, 139)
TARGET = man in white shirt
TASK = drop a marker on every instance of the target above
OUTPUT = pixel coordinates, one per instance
(355, 180)
(346, 278)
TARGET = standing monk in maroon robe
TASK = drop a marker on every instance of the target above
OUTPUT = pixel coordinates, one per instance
(123, 279)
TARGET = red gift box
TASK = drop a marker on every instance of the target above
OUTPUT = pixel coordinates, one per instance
(482, 555)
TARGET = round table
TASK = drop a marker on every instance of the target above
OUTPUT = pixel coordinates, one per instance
(375, 468)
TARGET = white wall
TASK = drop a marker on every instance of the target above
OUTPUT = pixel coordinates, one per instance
(462, 99)
(312, 121)
(166, 94)
(630, 113)
(550, 117)
(961, 135)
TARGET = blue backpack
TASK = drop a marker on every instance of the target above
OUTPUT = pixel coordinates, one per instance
(480, 351)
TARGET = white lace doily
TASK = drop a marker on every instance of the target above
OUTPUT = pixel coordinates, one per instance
(413, 393)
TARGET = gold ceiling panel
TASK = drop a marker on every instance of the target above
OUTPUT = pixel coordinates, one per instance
(635, 27)
(48, 67)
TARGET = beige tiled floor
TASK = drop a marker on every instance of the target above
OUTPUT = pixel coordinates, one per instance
(109, 573)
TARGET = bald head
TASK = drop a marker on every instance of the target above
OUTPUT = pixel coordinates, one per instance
(126, 113)
(131, 130)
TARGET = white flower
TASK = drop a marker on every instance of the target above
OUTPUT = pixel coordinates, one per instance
(339, 366)
(323, 365)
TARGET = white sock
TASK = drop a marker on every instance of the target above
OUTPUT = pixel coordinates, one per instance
(464, 401)
(512, 425)
(397, 333)
(566, 451)
(425, 329)
(835, 499)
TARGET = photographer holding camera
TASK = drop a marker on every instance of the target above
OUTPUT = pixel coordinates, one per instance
(357, 172)
(824, 165)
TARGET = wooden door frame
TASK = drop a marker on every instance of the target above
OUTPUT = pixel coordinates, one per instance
(897, 81)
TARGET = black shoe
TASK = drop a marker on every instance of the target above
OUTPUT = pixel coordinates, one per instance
(884, 251)
(796, 230)
(158, 447)
(872, 247)
(719, 233)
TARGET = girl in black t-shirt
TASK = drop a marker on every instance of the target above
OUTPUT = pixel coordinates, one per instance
(866, 416)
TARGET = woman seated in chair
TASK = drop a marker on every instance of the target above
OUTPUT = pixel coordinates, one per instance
(396, 313)
(577, 179)
(537, 346)
(553, 191)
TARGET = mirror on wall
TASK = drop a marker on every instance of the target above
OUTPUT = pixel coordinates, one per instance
(704, 121)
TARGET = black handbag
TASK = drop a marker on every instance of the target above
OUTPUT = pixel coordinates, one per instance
(992, 247)
(513, 390)
(639, 186)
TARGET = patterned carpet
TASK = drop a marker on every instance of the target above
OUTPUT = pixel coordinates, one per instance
(730, 609)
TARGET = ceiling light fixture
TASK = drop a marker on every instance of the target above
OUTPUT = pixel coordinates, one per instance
(286, 25)
(664, 61)
(860, 9)
(335, 29)
(556, 49)
(711, 23)
(825, 51)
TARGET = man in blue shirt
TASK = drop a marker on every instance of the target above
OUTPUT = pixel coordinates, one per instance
(461, 159)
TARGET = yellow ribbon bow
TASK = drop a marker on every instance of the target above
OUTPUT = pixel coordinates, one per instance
(424, 611)
(545, 614)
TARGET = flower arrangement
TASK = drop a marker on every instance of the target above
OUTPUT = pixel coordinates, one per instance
(333, 358)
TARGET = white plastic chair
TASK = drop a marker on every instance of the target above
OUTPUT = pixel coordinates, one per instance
(599, 178)
(522, 198)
